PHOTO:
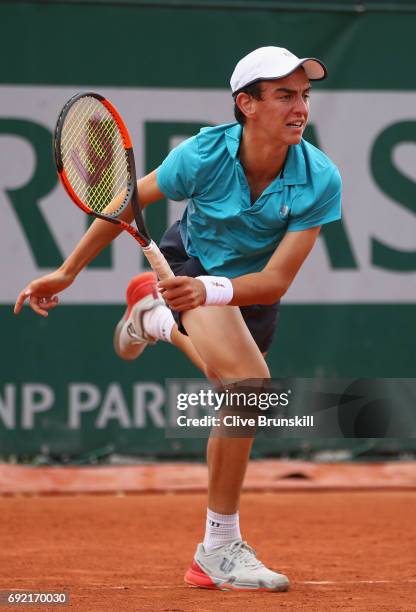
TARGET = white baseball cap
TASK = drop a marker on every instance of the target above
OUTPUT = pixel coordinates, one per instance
(269, 63)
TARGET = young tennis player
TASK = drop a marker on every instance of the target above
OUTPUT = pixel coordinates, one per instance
(257, 196)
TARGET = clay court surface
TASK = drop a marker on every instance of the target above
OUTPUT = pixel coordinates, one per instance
(342, 550)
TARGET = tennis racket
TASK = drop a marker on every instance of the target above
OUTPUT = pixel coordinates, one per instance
(95, 163)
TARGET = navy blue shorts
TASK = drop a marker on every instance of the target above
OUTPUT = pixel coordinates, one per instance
(260, 319)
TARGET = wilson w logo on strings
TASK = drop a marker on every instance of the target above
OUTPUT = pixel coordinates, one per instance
(95, 153)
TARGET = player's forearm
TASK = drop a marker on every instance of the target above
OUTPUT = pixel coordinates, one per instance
(269, 285)
(184, 292)
(99, 235)
(258, 288)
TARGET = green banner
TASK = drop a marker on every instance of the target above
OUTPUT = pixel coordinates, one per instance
(350, 312)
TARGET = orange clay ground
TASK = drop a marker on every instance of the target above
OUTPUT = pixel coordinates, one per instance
(342, 550)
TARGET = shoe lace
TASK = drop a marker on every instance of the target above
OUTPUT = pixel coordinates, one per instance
(245, 554)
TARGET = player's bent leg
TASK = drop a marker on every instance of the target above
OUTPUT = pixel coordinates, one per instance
(184, 344)
(222, 339)
(131, 336)
(148, 319)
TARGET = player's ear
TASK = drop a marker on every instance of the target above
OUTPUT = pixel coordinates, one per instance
(246, 104)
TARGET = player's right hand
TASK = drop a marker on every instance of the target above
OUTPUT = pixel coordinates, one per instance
(41, 292)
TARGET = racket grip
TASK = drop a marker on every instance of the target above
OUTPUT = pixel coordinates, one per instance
(157, 261)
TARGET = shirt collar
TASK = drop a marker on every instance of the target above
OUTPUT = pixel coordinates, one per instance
(232, 139)
(295, 168)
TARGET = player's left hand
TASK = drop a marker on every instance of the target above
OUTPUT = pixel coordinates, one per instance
(183, 292)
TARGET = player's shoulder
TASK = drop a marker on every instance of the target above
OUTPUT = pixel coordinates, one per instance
(212, 140)
(209, 142)
(322, 171)
(218, 132)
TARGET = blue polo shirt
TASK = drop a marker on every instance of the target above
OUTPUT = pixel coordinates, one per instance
(229, 235)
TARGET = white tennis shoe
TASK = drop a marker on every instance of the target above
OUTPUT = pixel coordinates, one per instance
(130, 337)
(233, 567)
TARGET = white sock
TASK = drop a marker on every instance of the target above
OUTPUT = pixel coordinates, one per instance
(158, 323)
(221, 529)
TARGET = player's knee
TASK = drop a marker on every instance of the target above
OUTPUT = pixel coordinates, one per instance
(242, 371)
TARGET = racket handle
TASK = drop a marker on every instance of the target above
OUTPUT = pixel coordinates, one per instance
(157, 261)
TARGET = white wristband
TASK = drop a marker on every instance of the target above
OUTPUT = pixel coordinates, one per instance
(219, 290)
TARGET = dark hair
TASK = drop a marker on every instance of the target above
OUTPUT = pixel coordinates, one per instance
(253, 90)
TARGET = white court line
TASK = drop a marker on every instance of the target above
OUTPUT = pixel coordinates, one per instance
(355, 581)
(293, 582)
(311, 582)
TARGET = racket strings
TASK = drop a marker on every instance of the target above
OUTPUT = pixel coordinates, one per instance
(94, 106)
(75, 122)
(108, 171)
(94, 156)
(96, 165)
